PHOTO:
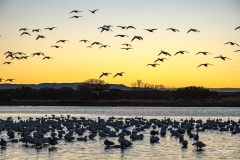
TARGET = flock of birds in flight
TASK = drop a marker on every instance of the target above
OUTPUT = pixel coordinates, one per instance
(127, 46)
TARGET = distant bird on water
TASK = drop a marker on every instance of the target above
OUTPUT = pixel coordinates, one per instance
(204, 64)
(118, 74)
(104, 74)
(150, 30)
(181, 52)
(193, 30)
(173, 29)
(223, 58)
(232, 43)
(93, 11)
(137, 37)
(199, 145)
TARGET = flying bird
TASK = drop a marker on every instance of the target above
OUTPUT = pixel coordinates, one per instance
(237, 51)
(104, 74)
(50, 28)
(36, 30)
(130, 27)
(62, 41)
(126, 44)
(204, 53)
(23, 29)
(97, 43)
(75, 11)
(137, 37)
(121, 35)
(75, 17)
(55, 46)
(127, 48)
(181, 52)
(47, 57)
(24, 57)
(150, 30)
(93, 11)
(165, 53)
(118, 74)
(7, 63)
(193, 30)
(1, 79)
(237, 28)
(9, 80)
(204, 64)
(84, 40)
(123, 27)
(173, 29)
(38, 54)
(104, 29)
(40, 36)
(160, 59)
(25, 33)
(153, 65)
(104, 46)
(232, 43)
(223, 58)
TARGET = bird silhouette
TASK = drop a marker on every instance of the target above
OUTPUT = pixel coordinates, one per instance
(8, 52)
(23, 29)
(104, 29)
(62, 41)
(50, 28)
(173, 29)
(75, 11)
(160, 59)
(237, 28)
(89, 47)
(232, 43)
(93, 11)
(36, 30)
(104, 46)
(150, 30)
(137, 37)
(47, 57)
(7, 63)
(97, 43)
(193, 30)
(107, 26)
(130, 27)
(126, 44)
(165, 53)
(9, 80)
(121, 35)
(181, 52)
(123, 27)
(19, 53)
(237, 51)
(38, 54)
(223, 58)
(40, 36)
(204, 53)
(153, 64)
(1, 79)
(24, 57)
(104, 74)
(84, 40)
(55, 46)
(25, 33)
(75, 17)
(118, 74)
(127, 48)
(204, 64)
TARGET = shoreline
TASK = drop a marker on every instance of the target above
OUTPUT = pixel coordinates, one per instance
(127, 102)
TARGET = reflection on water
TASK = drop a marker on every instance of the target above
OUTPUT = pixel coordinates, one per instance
(220, 145)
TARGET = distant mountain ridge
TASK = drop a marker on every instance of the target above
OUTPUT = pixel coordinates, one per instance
(74, 86)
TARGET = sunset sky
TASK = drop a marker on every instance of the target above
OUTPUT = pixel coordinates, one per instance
(215, 19)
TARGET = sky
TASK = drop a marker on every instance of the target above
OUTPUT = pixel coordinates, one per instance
(74, 62)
